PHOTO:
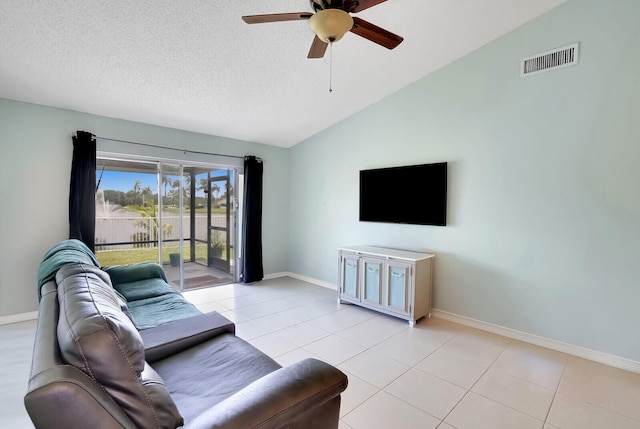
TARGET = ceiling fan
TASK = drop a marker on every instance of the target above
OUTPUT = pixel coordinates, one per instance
(331, 21)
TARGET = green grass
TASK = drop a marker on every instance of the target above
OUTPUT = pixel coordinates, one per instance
(176, 210)
(203, 210)
(109, 258)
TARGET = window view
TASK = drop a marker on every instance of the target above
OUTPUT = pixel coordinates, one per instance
(150, 212)
(127, 214)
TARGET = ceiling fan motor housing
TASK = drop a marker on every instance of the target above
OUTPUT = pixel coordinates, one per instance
(346, 5)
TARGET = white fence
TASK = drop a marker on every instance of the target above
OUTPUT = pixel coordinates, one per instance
(122, 229)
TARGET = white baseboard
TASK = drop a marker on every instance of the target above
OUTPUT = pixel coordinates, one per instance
(276, 275)
(582, 352)
(302, 278)
(15, 318)
(593, 355)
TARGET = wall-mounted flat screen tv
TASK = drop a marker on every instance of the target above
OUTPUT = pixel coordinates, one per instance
(413, 194)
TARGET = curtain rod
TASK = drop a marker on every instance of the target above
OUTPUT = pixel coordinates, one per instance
(173, 148)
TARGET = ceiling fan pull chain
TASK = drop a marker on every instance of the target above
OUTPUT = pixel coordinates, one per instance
(330, 67)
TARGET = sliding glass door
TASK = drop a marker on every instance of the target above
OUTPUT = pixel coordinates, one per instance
(220, 215)
(173, 200)
(182, 216)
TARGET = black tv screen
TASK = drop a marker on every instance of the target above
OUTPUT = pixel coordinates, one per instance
(413, 194)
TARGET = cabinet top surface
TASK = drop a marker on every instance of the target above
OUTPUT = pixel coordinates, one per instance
(388, 252)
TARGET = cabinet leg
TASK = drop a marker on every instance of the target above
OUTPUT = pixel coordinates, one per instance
(412, 323)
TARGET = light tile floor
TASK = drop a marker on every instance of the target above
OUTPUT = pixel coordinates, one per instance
(436, 375)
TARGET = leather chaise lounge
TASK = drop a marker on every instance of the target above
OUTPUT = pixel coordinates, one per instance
(92, 368)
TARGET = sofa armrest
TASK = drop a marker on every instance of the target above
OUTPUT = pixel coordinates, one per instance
(135, 272)
(60, 395)
(277, 398)
(63, 396)
(173, 337)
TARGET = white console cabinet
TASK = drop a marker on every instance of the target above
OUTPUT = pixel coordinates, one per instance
(392, 281)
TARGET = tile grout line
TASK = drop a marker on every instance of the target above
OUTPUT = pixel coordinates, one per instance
(476, 382)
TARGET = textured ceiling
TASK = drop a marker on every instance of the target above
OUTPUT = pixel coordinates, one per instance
(195, 65)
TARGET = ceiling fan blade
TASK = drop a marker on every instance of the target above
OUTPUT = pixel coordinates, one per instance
(318, 48)
(376, 34)
(276, 17)
(360, 5)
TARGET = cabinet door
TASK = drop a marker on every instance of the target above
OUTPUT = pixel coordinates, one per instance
(372, 281)
(398, 291)
(349, 277)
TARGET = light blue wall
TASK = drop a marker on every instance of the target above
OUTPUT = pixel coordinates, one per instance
(35, 165)
(544, 206)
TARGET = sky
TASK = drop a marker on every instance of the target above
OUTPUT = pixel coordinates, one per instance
(124, 181)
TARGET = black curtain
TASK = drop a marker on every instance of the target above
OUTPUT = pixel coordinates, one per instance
(252, 221)
(82, 192)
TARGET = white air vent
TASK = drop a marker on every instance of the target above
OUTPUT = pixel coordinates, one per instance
(550, 60)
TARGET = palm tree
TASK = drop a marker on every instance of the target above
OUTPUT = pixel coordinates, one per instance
(175, 185)
(228, 187)
(136, 190)
(166, 181)
(215, 189)
(149, 224)
(203, 184)
(188, 177)
(146, 192)
(187, 181)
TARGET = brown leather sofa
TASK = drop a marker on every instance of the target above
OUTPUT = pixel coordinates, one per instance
(93, 369)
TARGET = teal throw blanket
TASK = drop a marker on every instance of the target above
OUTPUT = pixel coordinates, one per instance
(65, 252)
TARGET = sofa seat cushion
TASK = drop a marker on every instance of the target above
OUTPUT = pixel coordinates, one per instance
(225, 365)
(156, 310)
(95, 336)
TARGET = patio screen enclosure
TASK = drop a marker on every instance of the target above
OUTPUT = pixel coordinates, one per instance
(182, 215)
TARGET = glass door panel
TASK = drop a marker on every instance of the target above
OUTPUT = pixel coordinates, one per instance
(173, 218)
(221, 223)
(199, 236)
(126, 212)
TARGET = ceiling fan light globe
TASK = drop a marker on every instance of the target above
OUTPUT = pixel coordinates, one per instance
(330, 24)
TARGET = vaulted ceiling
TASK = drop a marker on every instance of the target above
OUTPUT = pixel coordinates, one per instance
(195, 65)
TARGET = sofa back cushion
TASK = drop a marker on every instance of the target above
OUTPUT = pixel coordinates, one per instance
(135, 272)
(97, 337)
